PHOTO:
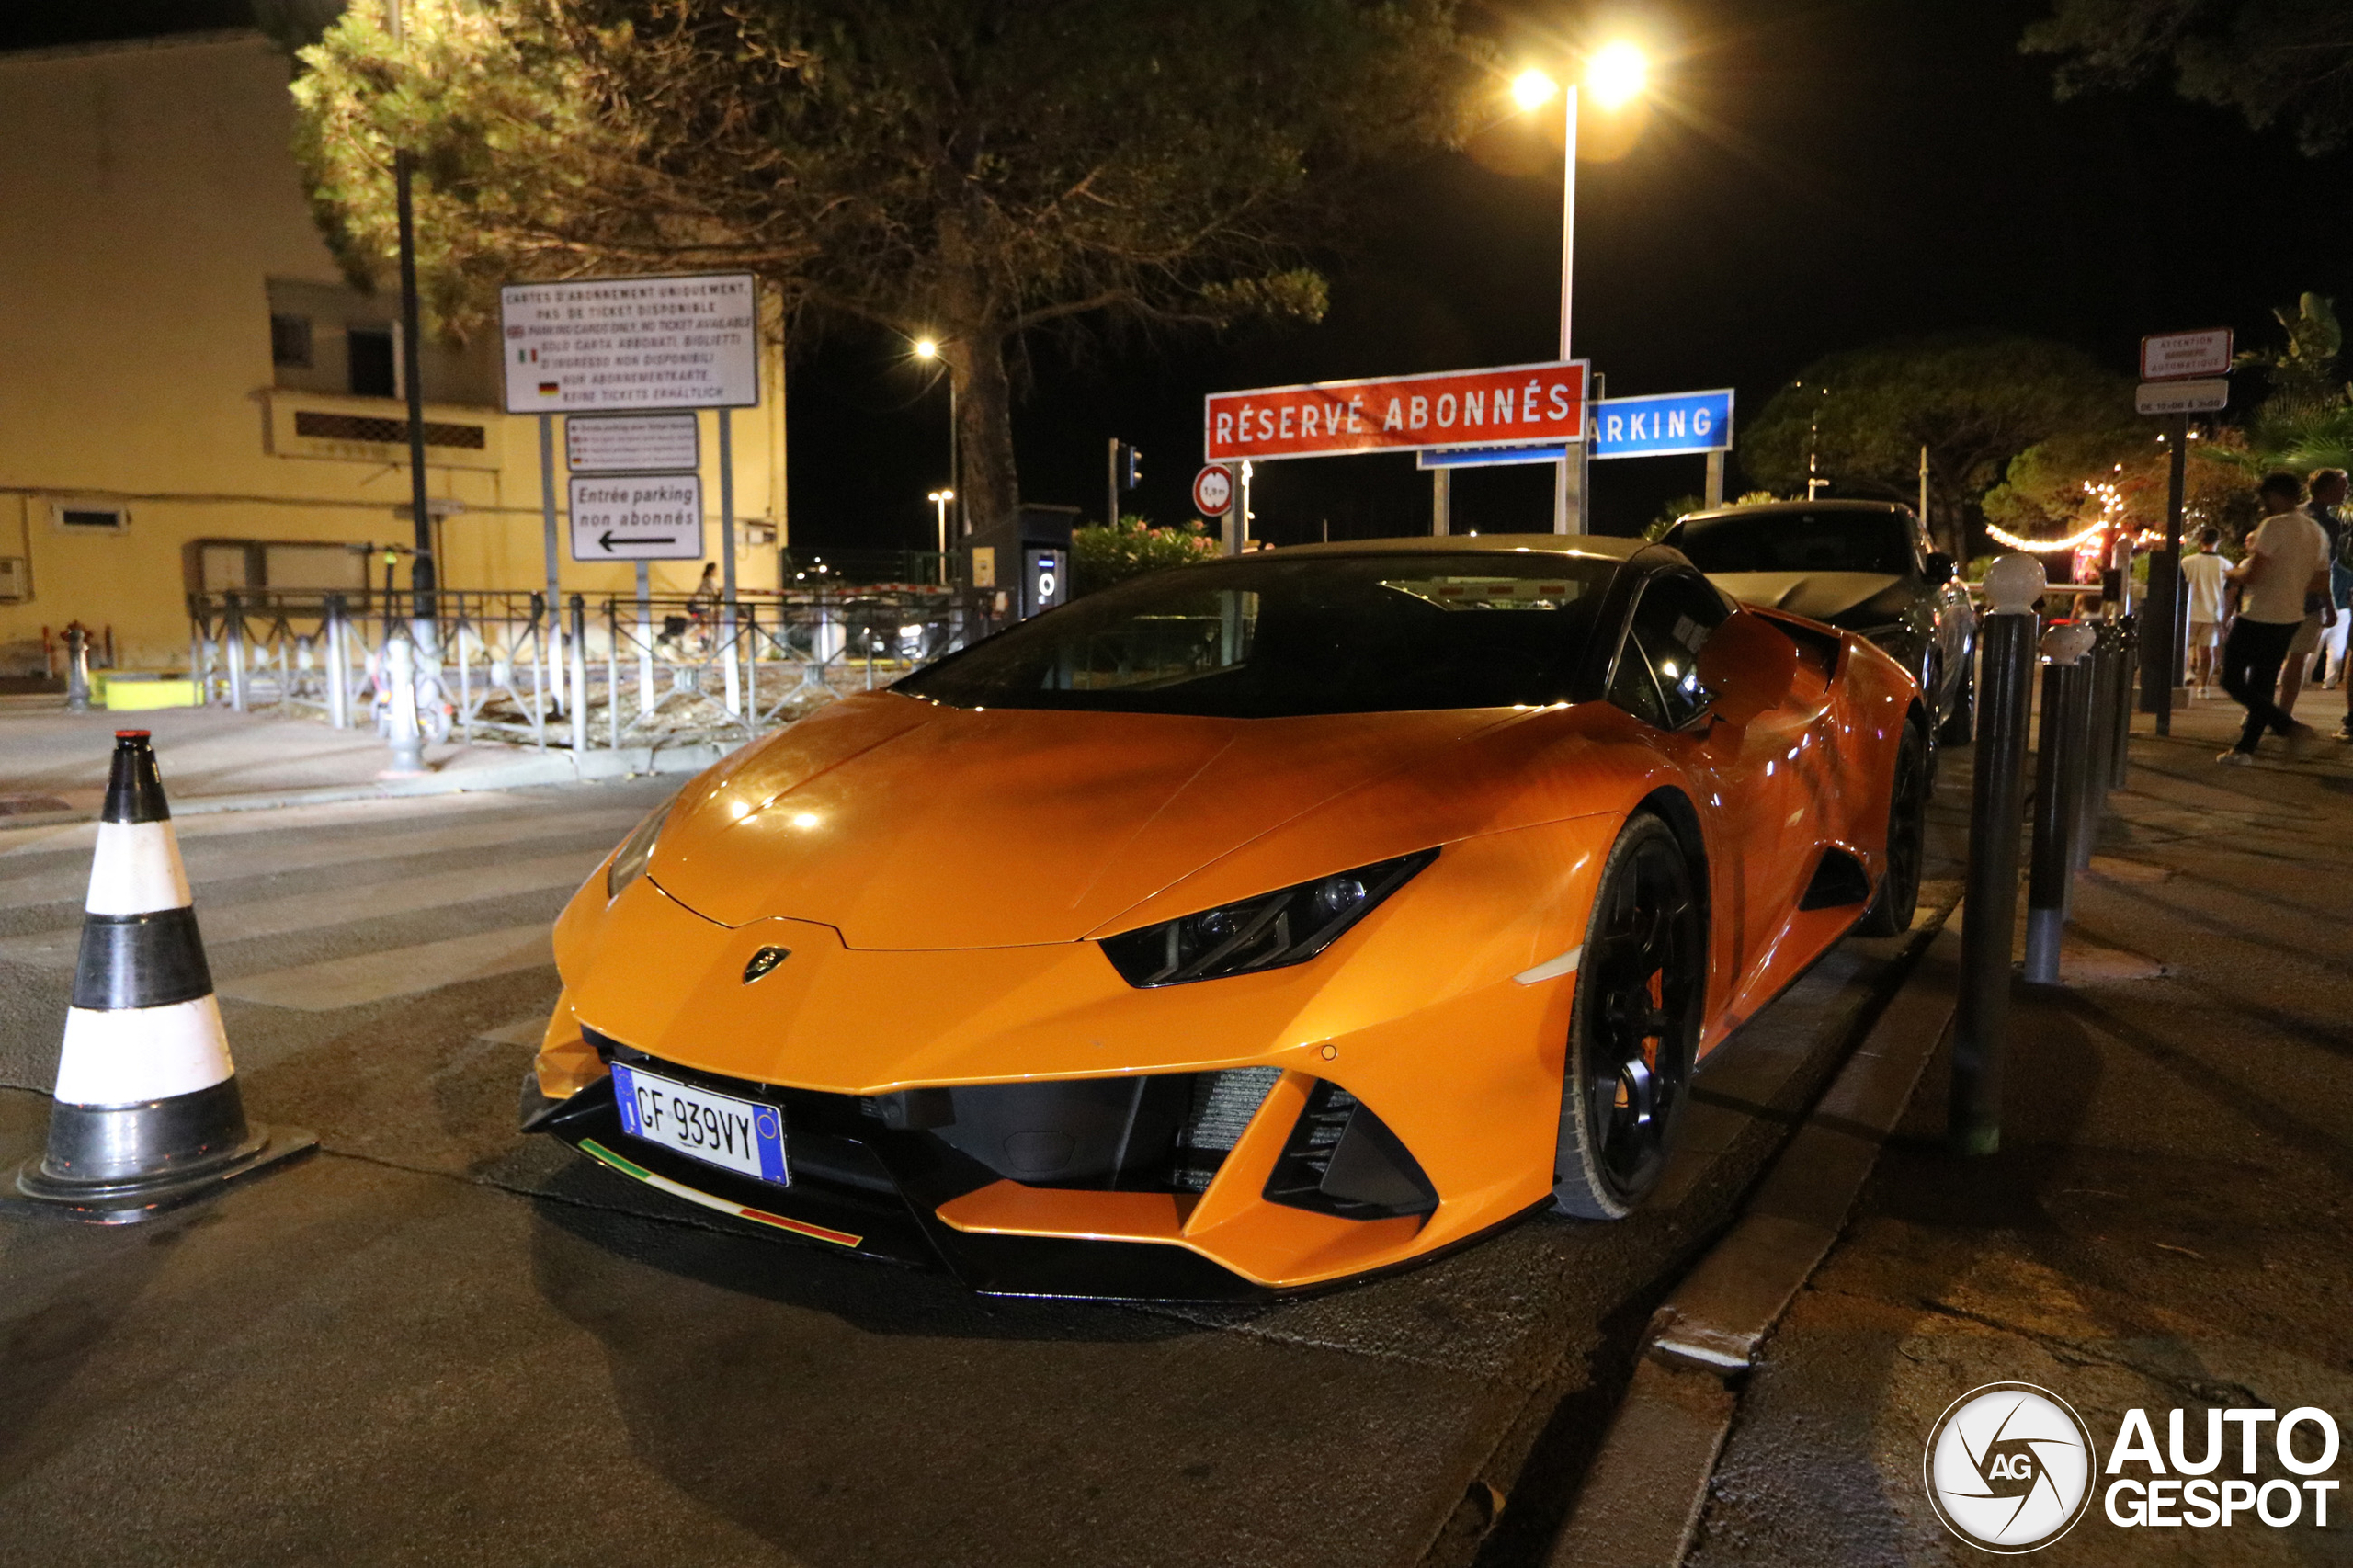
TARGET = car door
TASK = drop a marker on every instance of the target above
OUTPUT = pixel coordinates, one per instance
(1747, 780)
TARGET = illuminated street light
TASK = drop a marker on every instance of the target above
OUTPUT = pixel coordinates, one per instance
(926, 348)
(1616, 77)
(939, 499)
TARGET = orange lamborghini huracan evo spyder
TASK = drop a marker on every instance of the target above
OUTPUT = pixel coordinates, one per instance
(1242, 928)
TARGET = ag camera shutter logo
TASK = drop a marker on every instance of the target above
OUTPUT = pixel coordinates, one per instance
(2008, 1468)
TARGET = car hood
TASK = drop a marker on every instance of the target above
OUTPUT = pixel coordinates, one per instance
(1818, 595)
(905, 824)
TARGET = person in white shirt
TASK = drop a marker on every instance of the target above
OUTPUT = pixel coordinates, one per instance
(2204, 572)
(2287, 561)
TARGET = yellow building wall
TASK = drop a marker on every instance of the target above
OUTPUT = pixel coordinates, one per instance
(146, 197)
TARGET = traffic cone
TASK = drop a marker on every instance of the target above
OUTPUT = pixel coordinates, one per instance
(146, 1113)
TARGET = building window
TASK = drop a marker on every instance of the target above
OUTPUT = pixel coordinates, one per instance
(371, 357)
(289, 342)
(81, 517)
(315, 425)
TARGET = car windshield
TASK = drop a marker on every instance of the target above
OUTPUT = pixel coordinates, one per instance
(1798, 541)
(1276, 637)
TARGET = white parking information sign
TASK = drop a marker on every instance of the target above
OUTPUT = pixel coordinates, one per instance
(632, 443)
(2168, 355)
(647, 517)
(622, 345)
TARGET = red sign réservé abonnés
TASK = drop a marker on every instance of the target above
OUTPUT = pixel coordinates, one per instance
(1503, 406)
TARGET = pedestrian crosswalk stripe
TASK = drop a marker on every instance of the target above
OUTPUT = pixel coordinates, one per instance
(225, 923)
(397, 971)
(211, 865)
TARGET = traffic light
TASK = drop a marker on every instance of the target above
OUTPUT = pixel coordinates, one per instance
(1131, 466)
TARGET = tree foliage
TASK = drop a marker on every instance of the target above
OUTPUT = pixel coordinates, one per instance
(1100, 556)
(2054, 487)
(1974, 401)
(2306, 420)
(2273, 61)
(974, 171)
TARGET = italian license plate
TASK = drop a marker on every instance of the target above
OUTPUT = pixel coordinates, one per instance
(744, 1136)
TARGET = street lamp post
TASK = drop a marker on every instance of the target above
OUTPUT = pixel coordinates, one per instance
(927, 350)
(1615, 75)
(939, 499)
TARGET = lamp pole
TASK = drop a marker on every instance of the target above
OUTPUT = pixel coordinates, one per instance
(1569, 473)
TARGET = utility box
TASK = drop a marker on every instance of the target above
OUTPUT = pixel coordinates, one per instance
(1025, 560)
(16, 580)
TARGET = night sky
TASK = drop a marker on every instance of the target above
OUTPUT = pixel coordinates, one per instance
(1813, 177)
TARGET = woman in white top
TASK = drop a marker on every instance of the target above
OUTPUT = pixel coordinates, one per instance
(2287, 558)
(2204, 573)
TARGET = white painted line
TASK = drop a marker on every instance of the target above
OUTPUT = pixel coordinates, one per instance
(136, 870)
(1552, 969)
(522, 1032)
(397, 971)
(141, 1053)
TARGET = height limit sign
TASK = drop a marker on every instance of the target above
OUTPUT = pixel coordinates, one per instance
(646, 517)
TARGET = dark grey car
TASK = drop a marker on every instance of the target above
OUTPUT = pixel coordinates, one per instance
(1863, 566)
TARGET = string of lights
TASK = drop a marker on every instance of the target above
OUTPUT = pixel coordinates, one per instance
(2045, 546)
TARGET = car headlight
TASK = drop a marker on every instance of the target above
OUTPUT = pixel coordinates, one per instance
(1271, 931)
(631, 860)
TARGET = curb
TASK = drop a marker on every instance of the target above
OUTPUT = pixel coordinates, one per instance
(1643, 1496)
(556, 767)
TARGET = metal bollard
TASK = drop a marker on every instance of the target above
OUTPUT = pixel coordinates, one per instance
(338, 664)
(2087, 728)
(233, 648)
(399, 677)
(2059, 790)
(2127, 664)
(1981, 1022)
(77, 670)
(579, 676)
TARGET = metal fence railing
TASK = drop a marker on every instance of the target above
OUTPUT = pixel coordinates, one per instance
(603, 672)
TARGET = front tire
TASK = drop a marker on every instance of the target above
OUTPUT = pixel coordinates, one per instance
(1642, 985)
(1892, 907)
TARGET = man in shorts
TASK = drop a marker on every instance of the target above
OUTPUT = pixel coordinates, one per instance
(2203, 571)
(2287, 562)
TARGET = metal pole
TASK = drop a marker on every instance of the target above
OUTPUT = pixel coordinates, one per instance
(579, 676)
(1981, 1020)
(399, 670)
(1111, 486)
(727, 559)
(1715, 497)
(1568, 495)
(338, 664)
(1442, 501)
(233, 648)
(645, 641)
(1233, 520)
(2092, 741)
(551, 640)
(2128, 631)
(2058, 792)
(2165, 628)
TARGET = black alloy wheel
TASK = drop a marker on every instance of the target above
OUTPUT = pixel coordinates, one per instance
(1892, 907)
(1642, 982)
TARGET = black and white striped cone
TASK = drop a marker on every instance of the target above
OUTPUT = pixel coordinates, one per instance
(147, 1113)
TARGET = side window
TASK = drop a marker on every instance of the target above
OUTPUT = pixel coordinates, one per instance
(1631, 687)
(1678, 613)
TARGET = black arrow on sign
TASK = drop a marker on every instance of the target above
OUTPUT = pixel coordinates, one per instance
(606, 539)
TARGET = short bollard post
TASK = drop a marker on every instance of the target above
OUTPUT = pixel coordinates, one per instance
(77, 670)
(2058, 793)
(233, 648)
(1981, 1022)
(579, 676)
(400, 676)
(2128, 638)
(2094, 726)
(338, 664)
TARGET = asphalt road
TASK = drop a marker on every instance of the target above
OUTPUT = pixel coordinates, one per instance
(437, 1342)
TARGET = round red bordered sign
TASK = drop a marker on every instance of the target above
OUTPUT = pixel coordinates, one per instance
(1212, 491)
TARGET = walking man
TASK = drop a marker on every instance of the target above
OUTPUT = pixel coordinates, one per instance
(2287, 560)
(2307, 653)
(2204, 572)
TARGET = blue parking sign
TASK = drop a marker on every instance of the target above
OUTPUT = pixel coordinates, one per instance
(1663, 425)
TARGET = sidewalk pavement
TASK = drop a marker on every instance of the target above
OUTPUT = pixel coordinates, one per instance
(2166, 1224)
(54, 763)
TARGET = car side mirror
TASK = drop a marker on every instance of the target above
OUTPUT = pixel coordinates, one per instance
(1940, 569)
(1749, 666)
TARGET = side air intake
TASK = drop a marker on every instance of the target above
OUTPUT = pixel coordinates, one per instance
(1838, 882)
(1341, 1159)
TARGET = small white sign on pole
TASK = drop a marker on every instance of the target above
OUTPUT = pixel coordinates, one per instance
(2182, 397)
(632, 443)
(646, 517)
(627, 345)
(2173, 355)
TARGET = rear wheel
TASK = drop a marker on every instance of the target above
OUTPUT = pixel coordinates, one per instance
(1641, 984)
(1891, 910)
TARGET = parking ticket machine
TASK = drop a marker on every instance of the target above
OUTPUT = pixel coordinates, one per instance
(1026, 561)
